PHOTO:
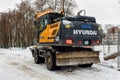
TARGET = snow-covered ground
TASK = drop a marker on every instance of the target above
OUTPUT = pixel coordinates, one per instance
(18, 64)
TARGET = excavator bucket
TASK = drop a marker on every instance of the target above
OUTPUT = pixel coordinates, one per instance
(77, 58)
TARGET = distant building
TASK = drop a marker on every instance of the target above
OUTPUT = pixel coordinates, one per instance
(111, 37)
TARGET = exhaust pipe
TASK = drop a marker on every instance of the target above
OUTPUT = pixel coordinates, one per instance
(79, 13)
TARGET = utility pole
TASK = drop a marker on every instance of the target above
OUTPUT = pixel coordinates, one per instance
(63, 10)
(63, 4)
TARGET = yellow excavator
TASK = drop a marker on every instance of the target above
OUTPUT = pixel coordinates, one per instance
(65, 41)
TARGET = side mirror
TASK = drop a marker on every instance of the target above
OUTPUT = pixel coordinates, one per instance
(35, 23)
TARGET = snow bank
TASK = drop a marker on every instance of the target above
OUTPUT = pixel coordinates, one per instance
(18, 64)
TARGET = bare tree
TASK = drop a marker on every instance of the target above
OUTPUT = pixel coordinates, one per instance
(57, 5)
(40, 4)
(26, 22)
(4, 30)
(16, 26)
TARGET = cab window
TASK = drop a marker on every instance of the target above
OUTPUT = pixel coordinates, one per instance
(42, 23)
(46, 20)
(55, 17)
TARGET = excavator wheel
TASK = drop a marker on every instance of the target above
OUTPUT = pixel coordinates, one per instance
(50, 61)
(38, 59)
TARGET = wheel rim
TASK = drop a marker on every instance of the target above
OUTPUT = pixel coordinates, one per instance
(36, 58)
(49, 62)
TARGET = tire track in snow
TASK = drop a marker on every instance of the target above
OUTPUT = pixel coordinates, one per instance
(25, 67)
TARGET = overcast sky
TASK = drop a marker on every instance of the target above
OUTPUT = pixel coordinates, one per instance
(105, 11)
(8, 4)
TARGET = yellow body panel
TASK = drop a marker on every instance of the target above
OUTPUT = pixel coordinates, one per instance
(49, 34)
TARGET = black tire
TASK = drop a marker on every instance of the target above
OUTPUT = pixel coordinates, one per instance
(38, 59)
(86, 65)
(50, 61)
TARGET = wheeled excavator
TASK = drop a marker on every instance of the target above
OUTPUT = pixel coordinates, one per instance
(66, 41)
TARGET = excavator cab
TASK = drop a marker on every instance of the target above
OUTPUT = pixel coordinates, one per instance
(47, 19)
(47, 23)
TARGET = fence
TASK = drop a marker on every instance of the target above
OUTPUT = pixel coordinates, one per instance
(118, 49)
(111, 44)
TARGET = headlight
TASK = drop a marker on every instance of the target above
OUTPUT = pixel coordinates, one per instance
(68, 24)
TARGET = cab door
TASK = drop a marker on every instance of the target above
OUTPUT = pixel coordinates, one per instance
(42, 29)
